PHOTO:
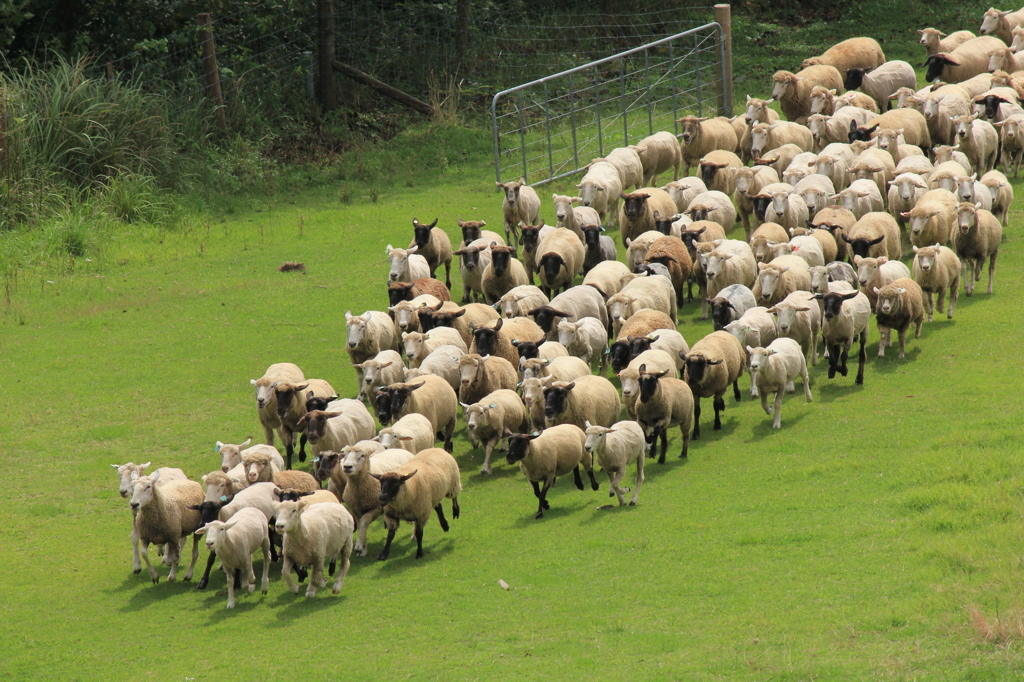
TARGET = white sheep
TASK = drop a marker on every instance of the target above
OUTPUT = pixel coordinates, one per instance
(520, 205)
(600, 189)
(937, 268)
(615, 449)
(406, 264)
(487, 419)
(519, 301)
(1001, 24)
(656, 293)
(970, 189)
(544, 456)
(404, 313)
(756, 327)
(731, 263)
(833, 161)
(804, 246)
(874, 273)
(977, 238)
(126, 474)
(703, 135)
(414, 490)
(658, 153)
(636, 249)
(343, 423)
(629, 165)
(234, 541)
(714, 206)
(875, 165)
(863, 53)
(684, 190)
(776, 368)
(367, 335)
(442, 362)
(413, 432)
(880, 83)
(787, 209)
(815, 189)
(606, 276)
(765, 136)
(767, 232)
(419, 345)
(917, 165)
(474, 258)
(799, 318)
(163, 517)
(586, 338)
(358, 464)
(793, 91)
(939, 111)
(381, 370)
(779, 278)
(1012, 140)
(861, 198)
(935, 40)
(932, 217)
(904, 191)
(574, 218)
(312, 534)
(266, 398)
(1002, 194)
(978, 140)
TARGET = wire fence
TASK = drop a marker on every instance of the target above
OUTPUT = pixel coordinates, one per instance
(553, 127)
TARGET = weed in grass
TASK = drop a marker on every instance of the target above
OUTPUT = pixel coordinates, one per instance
(1001, 629)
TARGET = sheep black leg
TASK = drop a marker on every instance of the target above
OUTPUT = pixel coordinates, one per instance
(651, 447)
(833, 351)
(536, 491)
(843, 368)
(440, 517)
(331, 566)
(238, 579)
(577, 479)
(664, 444)
(686, 442)
(302, 448)
(735, 391)
(719, 408)
(418, 532)
(593, 479)
(387, 544)
(206, 574)
(862, 356)
(543, 499)
(455, 508)
(696, 418)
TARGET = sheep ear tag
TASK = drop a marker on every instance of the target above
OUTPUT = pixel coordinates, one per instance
(493, 405)
(223, 498)
(216, 448)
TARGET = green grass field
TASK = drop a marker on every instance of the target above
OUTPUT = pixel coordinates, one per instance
(878, 535)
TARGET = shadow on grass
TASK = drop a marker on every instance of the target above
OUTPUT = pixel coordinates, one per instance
(600, 511)
(840, 387)
(891, 362)
(526, 520)
(403, 550)
(295, 606)
(154, 593)
(763, 428)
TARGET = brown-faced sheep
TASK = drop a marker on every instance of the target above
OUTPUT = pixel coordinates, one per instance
(703, 135)
(485, 374)
(793, 90)
(899, 305)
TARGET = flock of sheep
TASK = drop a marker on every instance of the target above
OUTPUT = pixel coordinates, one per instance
(834, 198)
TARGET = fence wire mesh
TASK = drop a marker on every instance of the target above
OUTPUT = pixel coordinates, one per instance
(553, 127)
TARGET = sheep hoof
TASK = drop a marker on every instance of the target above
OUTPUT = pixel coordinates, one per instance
(485, 470)
(295, 590)
(156, 580)
(611, 493)
(382, 557)
(137, 571)
(538, 515)
(252, 587)
(201, 585)
(632, 504)
(335, 591)
(230, 605)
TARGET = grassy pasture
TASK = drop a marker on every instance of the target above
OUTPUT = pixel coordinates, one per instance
(876, 536)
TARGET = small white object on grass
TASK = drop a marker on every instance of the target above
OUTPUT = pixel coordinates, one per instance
(502, 584)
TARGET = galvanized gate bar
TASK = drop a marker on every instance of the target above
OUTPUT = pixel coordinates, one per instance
(636, 89)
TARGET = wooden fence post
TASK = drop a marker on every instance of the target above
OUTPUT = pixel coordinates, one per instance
(325, 48)
(210, 66)
(723, 15)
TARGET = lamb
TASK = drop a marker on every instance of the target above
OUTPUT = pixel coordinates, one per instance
(935, 40)
(313, 533)
(712, 364)
(1012, 140)
(874, 234)
(628, 163)
(600, 248)
(463, 320)
(779, 278)
(937, 268)
(589, 398)
(749, 182)
(546, 455)
(672, 253)
(419, 345)
(684, 190)
(714, 206)
(442, 362)
(787, 210)
(1002, 194)
(615, 449)
(383, 369)
(266, 399)
(873, 273)
(162, 517)
(731, 262)
(800, 320)
(775, 368)
(502, 274)
(718, 169)
(637, 214)
(482, 375)
(532, 236)
(413, 432)
(793, 91)
(1001, 24)
(291, 405)
(559, 259)
(881, 82)
(767, 232)
(932, 218)
(433, 244)
(644, 292)
(586, 338)
(497, 339)
(860, 53)
(904, 192)
(658, 153)
(368, 335)
(574, 218)
(519, 301)
(600, 189)
(765, 136)
(520, 205)
(606, 276)
(755, 328)
(343, 423)
(409, 291)
(359, 463)
(978, 140)
(416, 488)
(234, 541)
(473, 260)
(968, 60)
(898, 306)
(574, 304)
(487, 419)
(976, 239)
(433, 398)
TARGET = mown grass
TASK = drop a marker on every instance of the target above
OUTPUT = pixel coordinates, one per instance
(876, 536)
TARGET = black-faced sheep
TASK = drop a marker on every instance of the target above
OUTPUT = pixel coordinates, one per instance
(712, 364)
(544, 456)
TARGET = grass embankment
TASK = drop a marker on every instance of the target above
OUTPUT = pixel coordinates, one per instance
(853, 544)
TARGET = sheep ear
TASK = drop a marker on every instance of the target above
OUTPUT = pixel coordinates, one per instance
(243, 444)
(409, 475)
(586, 422)
(199, 531)
(377, 476)
(216, 448)
(116, 466)
(875, 289)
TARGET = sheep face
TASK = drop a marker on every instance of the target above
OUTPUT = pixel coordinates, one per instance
(824, 164)
(487, 338)
(966, 216)
(595, 437)
(819, 99)
(816, 124)
(405, 315)
(354, 460)
(534, 369)
(634, 205)
(888, 303)
(142, 491)
(649, 383)
(690, 237)
(811, 196)
(469, 369)
(698, 212)
(530, 236)
(867, 268)
(639, 344)
(936, 63)
(965, 188)
(314, 403)
(925, 257)
(383, 394)
(388, 439)
(761, 203)
(741, 332)
(780, 85)
(819, 279)
(756, 110)
(501, 258)
(527, 349)
(290, 494)
(315, 424)
(551, 264)
(211, 530)
(545, 317)
(721, 311)
(264, 393)
(931, 107)
(511, 193)
(476, 414)
(787, 316)
(285, 393)
(400, 394)
(907, 186)
(471, 230)
(414, 344)
(398, 292)
(399, 261)
(518, 445)
(563, 206)
(744, 176)
(421, 233)
(990, 21)
(988, 106)
(555, 396)
(854, 78)
(888, 140)
(708, 171)
(769, 277)
(758, 358)
(691, 128)
(566, 333)
(759, 138)
(391, 485)
(592, 237)
(372, 369)
(210, 511)
(695, 368)
(324, 463)
(128, 473)
(963, 124)
(590, 191)
(509, 306)
(780, 201)
(470, 257)
(795, 175)
(218, 488)
(620, 355)
(620, 309)
(355, 325)
(833, 303)
(289, 516)
(254, 468)
(917, 223)
(861, 246)
(533, 391)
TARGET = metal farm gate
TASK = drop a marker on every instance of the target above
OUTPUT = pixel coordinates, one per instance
(552, 127)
